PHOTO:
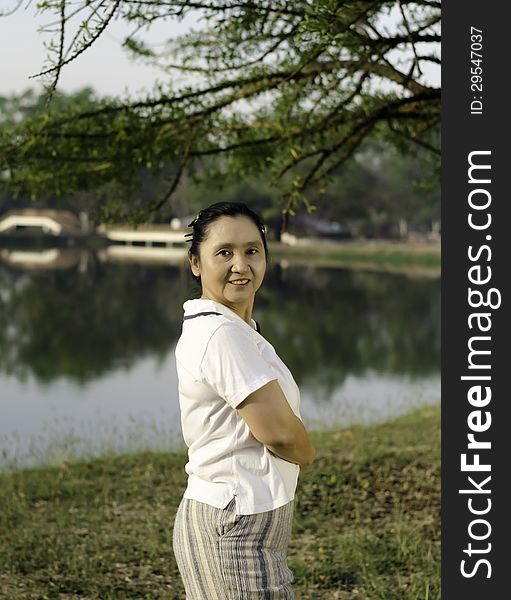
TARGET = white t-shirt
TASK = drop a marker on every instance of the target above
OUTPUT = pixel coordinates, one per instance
(220, 360)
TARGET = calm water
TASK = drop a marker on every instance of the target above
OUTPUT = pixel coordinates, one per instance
(86, 348)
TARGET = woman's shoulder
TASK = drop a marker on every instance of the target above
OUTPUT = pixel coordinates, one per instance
(219, 341)
(199, 329)
(207, 327)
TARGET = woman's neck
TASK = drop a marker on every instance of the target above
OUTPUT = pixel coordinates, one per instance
(243, 311)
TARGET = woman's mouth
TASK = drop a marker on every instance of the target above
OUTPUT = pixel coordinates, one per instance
(239, 282)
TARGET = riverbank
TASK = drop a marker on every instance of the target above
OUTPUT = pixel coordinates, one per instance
(366, 521)
(408, 257)
(411, 257)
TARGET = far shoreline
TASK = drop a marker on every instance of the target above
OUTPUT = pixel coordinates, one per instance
(409, 257)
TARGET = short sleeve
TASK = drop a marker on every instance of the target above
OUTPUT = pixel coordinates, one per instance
(233, 366)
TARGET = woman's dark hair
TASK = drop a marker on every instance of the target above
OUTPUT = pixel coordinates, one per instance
(221, 209)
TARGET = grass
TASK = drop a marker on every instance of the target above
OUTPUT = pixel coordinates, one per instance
(366, 521)
(423, 258)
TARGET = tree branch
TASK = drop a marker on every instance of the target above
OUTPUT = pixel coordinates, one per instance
(84, 47)
(61, 52)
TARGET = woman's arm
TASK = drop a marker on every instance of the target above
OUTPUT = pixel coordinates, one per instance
(272, 422)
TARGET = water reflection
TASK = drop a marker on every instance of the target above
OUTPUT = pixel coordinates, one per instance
(82, 323)
(328, 323)
(89, 338)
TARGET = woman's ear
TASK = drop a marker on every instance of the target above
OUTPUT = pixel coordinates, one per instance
(194, 264)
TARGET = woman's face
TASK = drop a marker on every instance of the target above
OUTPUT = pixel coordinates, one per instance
(232, 261)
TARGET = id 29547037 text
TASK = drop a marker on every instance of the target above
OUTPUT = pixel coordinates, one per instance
(476, 71)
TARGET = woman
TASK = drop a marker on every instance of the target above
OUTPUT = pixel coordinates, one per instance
(240, 420)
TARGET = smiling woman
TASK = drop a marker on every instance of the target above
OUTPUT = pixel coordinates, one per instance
(231, 264)
(240, 419)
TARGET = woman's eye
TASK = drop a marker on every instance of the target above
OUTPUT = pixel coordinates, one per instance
(224, 252)
(253, 250)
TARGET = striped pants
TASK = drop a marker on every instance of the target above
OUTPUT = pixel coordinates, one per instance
(225, 556)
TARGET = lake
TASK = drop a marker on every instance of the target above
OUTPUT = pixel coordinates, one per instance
(87, 341)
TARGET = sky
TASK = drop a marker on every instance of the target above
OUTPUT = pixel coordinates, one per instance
(105, 66)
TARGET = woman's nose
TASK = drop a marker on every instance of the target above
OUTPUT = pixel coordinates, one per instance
(239, 264)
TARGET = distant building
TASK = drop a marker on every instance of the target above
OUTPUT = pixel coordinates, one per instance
(145, 234)
(62, 223)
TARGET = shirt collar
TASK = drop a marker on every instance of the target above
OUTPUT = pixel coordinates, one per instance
(197, 305)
